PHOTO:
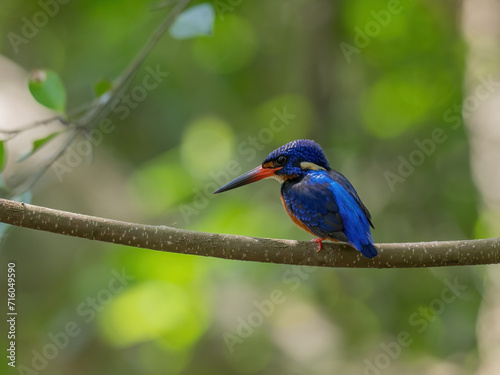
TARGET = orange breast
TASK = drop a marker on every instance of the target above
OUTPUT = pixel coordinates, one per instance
(296, 221)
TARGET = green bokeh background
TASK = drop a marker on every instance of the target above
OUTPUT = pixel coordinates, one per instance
(214, 117)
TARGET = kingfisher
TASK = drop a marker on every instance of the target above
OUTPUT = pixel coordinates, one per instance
(317, 198)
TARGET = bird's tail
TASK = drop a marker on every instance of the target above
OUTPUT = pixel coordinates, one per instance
(368, 250)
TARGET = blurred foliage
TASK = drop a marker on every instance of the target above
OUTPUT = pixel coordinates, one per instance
(272, 72)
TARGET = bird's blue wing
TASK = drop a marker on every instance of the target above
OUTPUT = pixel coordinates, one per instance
(312, 202)
(330, 209)
(344, 182)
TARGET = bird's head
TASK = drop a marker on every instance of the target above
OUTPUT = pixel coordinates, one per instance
(290, 161)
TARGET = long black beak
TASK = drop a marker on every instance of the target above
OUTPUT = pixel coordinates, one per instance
(255, 174)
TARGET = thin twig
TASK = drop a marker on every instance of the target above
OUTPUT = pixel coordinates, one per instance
(13, 133)
(71, 133)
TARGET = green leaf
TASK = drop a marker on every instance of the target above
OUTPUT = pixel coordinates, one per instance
(47, 88)
(2, 155)
(40, 142)
(37, 144)
(102, 87)
(196, 21)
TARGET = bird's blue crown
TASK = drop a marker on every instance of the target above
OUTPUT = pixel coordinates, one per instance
(297, 157)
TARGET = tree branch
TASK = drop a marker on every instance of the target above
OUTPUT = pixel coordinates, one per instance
(162, 238)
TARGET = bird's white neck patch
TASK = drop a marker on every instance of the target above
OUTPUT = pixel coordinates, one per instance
(279, 178)
(305, 165)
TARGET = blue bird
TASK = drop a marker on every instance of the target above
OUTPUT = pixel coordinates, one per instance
(317, 198)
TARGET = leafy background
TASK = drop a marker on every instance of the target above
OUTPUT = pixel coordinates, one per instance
(161, 162)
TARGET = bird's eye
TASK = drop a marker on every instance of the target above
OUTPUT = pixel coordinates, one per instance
(281, 160)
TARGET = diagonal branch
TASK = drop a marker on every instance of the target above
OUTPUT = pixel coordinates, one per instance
(162, 238)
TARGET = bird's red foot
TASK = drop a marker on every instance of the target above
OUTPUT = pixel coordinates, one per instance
(318, 241)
